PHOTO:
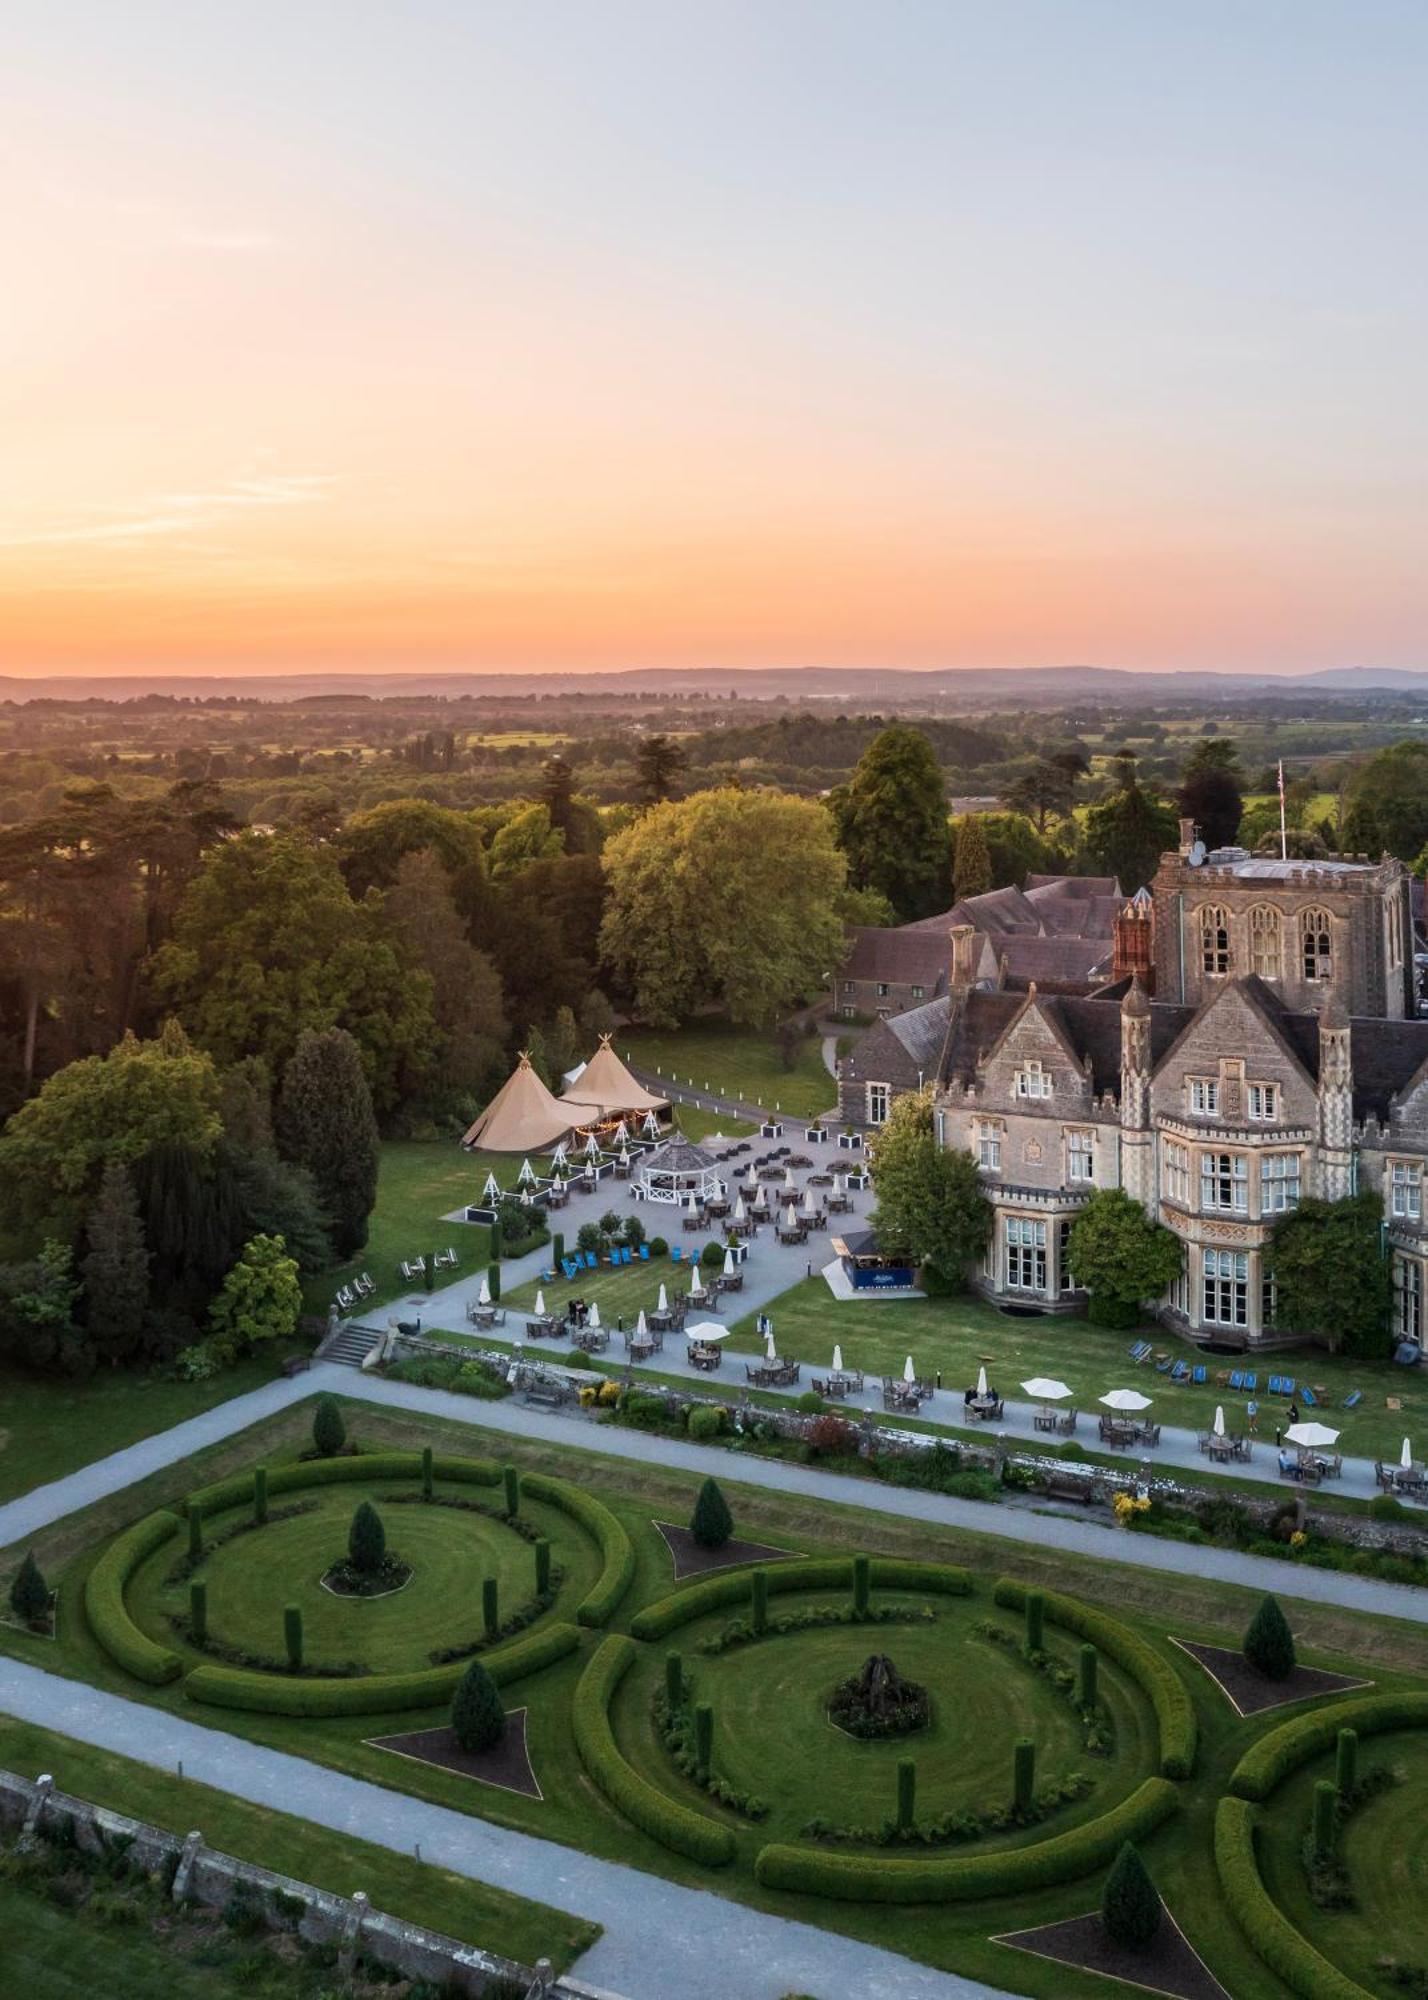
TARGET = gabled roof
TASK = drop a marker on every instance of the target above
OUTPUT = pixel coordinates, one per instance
(1056, 964)
(606, 1084)
(523, 1117)
(908, 956)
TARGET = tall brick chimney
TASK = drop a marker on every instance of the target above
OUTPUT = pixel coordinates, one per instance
(964, 957)
(1133, 954)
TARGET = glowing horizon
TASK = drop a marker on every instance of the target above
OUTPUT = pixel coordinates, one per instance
(492, 338)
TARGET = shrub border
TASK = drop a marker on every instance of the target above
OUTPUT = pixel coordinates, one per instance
(1270, 1759)
(808, 1573)
(371, 1694)
(1156, 1677)
(664, 1819)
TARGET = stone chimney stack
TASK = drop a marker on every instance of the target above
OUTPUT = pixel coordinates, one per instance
(964, 967)
(1187, 837)
(1137, 1137)
(1336, 1099)
(1133, 955)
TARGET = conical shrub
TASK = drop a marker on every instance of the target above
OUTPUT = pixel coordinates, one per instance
(1269, 1643)
(367, 1541)
(329, 1433)
(1130, 1903)
(711, 1524)
(29, 1593)
(477, 1716)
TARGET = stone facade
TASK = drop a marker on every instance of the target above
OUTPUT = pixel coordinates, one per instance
(1219, 1111)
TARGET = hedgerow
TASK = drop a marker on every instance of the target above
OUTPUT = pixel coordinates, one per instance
(1283, 1949)
(602, 1600)
(673, 1825)
(1174, 1710)
(107, 1612)
(821, 1573)
(1283, 1750)
(374, 1694)
(969, 1878)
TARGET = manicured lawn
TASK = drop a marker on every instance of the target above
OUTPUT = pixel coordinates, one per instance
(735, 1062)
(953, 1336)
(765, 1681)
(55, 1954)
(398, 1883)
(418, 1182)
(49, 1427)
(451, 1550)
(621, 1293)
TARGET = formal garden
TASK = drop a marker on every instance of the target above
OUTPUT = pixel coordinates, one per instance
(912, 1733)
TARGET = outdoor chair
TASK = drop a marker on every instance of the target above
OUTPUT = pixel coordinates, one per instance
(1251, 1382)
(676, 1253)
(1198, 1374)
(413, 1267)
(1237, 1380)
(1202, 1439)
(1353, 1399)
(1150, 1434)
(1308, 1398)
(591, 1260)
(644, 1253)
(1180, 1372)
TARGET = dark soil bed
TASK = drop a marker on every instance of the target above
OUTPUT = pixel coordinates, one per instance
(506, 1764)
(344, 1580)
(691, 1559)
(1169, 1965)
(1249, 1693)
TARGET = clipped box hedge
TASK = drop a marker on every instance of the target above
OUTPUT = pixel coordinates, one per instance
(602, 1600)
(664, 1819)
(373, 1694)
(1174, 1710)
(731, 1587)
(861, 1878)
(351, 1468)
(1283, 1949)
(107, 1612)
(1266, 1763)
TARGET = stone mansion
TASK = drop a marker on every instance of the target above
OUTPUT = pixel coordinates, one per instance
(1257, 1043)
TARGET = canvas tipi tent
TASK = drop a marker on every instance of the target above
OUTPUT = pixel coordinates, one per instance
(607, 1084)
(523, 1117)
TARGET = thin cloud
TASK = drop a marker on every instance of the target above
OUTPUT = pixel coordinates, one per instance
(181, 513)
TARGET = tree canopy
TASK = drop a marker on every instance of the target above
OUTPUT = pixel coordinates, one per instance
(1127, 833)
(373, 843)
(1388, 802)
(930, 1204)
(260, 1298)
(324, 1122)
(971, 862)
(891, 818)
(726, 898)
(1121, 1256)
(1331, 1277)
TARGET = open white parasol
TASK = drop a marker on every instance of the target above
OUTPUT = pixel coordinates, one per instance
(837, 1361)
(909, 1373)
(1311, 1434)
(1046, 1389)
(1125, 1399)
(982, 1389)
(483, 1297)
(1405, 1457)
(707, 1331)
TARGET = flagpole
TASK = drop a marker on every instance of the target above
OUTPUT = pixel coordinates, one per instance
(1283, 835)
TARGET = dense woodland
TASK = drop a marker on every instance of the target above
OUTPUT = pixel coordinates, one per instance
(238, 942)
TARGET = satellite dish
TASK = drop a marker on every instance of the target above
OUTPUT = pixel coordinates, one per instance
(1196, 856)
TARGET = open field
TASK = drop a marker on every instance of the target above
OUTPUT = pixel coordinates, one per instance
(735, 1062)
(773, 1683)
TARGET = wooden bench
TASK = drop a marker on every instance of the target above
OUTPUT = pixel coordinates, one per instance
(295, 1364)
(1070, 1486)
(553, 1395)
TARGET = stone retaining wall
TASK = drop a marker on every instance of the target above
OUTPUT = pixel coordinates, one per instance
(30, 1809)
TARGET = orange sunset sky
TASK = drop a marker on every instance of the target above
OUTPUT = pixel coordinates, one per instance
(633, 335)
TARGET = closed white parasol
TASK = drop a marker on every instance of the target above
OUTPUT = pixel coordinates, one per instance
(483, 1297)
(1219, 1420)
(594, 1320)
(837, 1361)
(982, 1389)
(540, 1305)
(662, 1303)
(696, 1283)
(909, 1373)
(1405, 1457)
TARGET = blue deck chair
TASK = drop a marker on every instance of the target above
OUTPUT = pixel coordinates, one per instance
(1199, 1374)
(591, 1260)
(1286, 1385)
(1180, 1372)
(571, 1268)
(1251, 1381)
(1237, 1380)
(676, 1255)
(1309, 1399)
(1353, 1399)
(644, 1253)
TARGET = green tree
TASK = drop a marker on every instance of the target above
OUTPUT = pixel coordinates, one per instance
(477, 1716)
(118, 1106)
(269, 945)
(1046, 791)
(466, 1055)
(1388, 802)
(891, 818)
(1130, 1903)
(29, 1593)
(277, 1198)
(930, 1204)
(193, 1222)
(726, 898)
(115, 1269)
(1127, 833)
(1269, 1643)
(659, 761)
(373, 844)
(329, 1433)
(367, 1541)
(527, 836)
(972, 864)
(711, 1524)
(562, 1042)
(260, 1298)
(597, 1017)
(1014, 848)
(1121, 1256)
(324, 1121)
(37, 1327)
(1331, 1277)
(1212, 791)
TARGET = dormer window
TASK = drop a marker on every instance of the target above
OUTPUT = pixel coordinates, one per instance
(1033, 1081)
(1215, 939)
(1204, 1092)
(1318, 951)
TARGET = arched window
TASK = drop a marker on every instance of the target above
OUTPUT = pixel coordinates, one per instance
(1318, 952)
(1214, 938)
(1266, 951)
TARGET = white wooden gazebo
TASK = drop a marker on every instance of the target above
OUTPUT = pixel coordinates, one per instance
(675, 1170)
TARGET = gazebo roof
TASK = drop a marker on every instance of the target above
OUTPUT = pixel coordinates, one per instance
(606, 1084)
(677, 1156)
(523, 1117)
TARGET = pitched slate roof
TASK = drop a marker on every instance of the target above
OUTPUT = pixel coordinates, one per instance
(1056, 964)
(908, 956)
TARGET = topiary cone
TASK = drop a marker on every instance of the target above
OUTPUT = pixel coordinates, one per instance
(542, 1567)
(29, 1593)
(1035, 1621)
(260, 1494)
(367, 1541)
(511, 1482)
(1269, 1643)
(1130, 1902)
(329, 1433)
(1023, 1774)
(1346, 1761)
(711, 1523)
(490, 1609)
(198, 1611)
(477, 1716)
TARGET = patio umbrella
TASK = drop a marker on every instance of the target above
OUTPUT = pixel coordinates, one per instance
(663, 1305)
(594, 1320)
(788, 1177)
(770, 1351)
(707, 1331)
(790, 1220)
(741, 1214)
(1405, 1457)
(1311, 1434)
(810, 1203)
(838, 1187)
(483, 1297)
(540, 1305)
(1046, 1389)
(1219, 1420)
(728, 1263)
(982, 1382)
(642, 1331)
(909, 1373)
(751, 1174)
(837, 1361)
(696, 1283)
(692, 1205)
(1125, 1399)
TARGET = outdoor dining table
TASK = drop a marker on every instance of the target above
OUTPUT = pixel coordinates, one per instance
(484, 1316)
(704, 1357)
(663, 1322)
(716, 1205)
(1046, 1419)
(592, 1340)
(1119, 1433)
(546, 1328)
(839, 1204)
(729, 1281)
(982, 1407)
(641, 1350)
(557, 1197)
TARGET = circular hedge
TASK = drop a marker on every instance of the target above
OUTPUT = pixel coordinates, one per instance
(402, 1685)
